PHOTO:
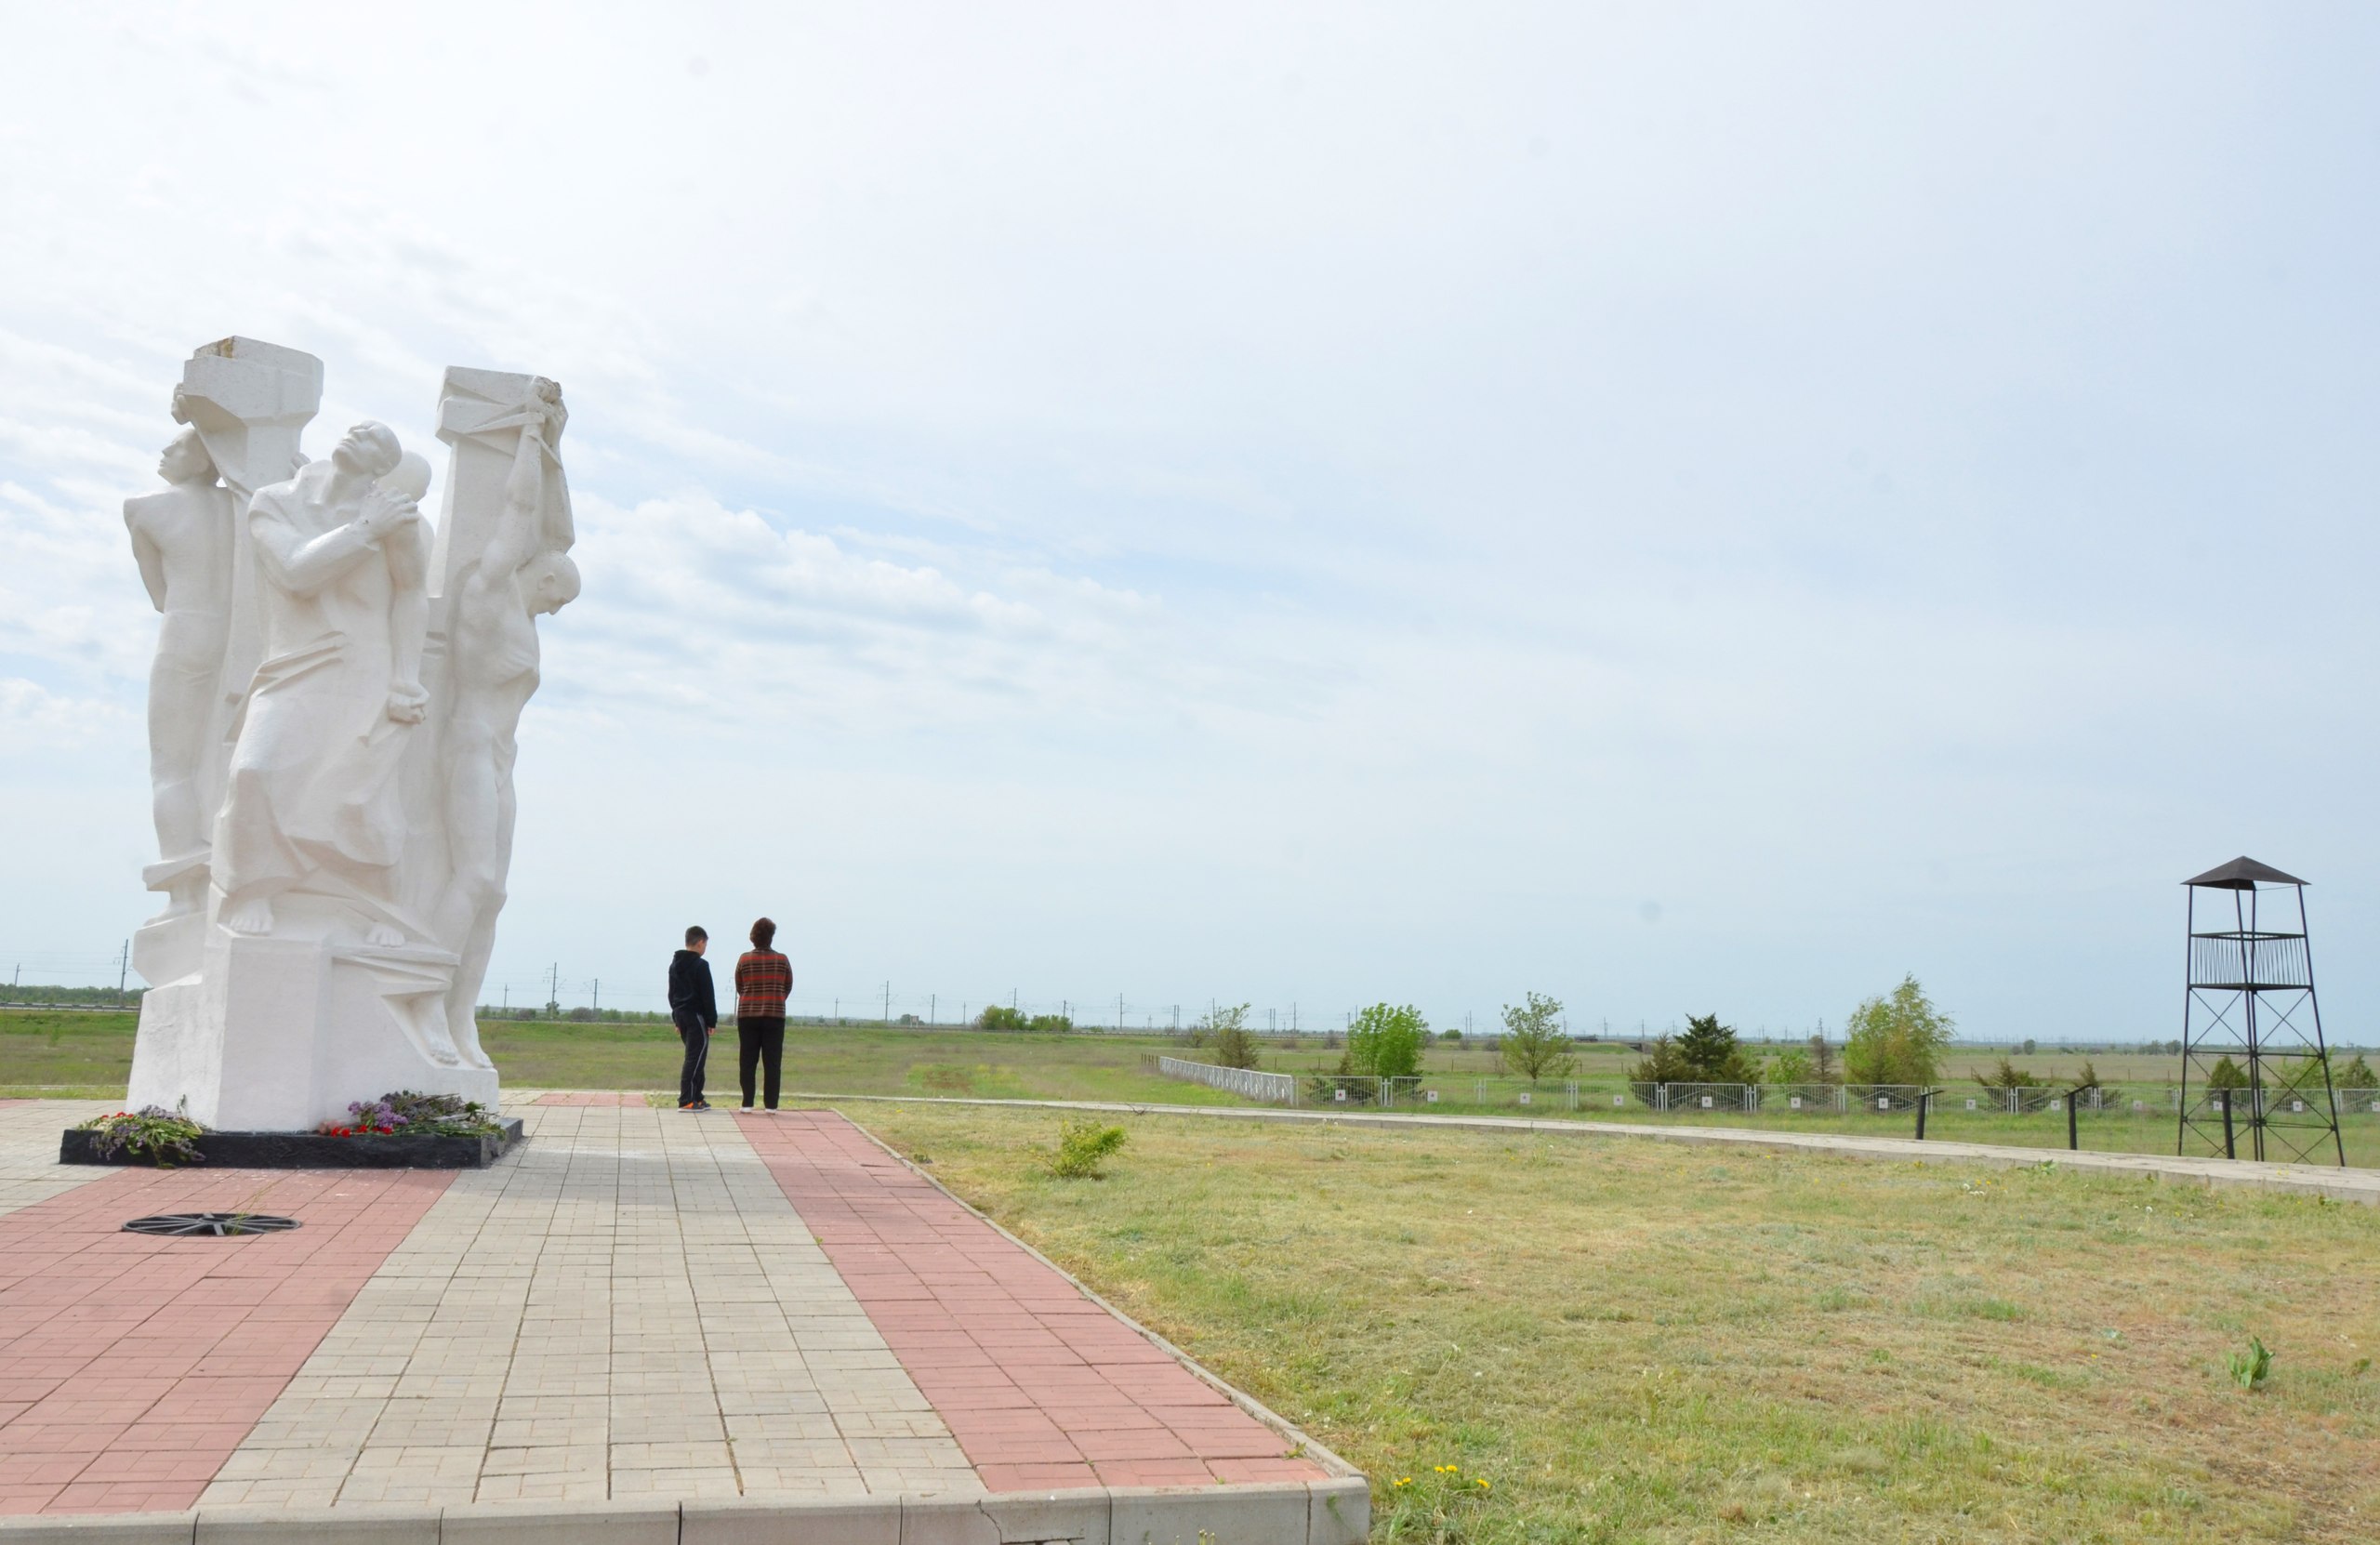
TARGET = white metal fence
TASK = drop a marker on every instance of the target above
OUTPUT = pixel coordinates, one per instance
(1278, 1089)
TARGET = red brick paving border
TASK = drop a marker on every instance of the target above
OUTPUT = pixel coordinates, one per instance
(587, 1097)
(1041, 1386)
(132, 1365)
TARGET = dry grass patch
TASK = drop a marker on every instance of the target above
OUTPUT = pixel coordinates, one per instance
(1635, 1340)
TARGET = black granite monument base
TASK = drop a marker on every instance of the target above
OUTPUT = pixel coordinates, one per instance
(312, 1151)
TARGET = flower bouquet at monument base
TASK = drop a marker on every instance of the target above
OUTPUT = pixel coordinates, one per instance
(407, 1113)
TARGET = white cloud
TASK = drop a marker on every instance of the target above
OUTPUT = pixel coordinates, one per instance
(1342, 501)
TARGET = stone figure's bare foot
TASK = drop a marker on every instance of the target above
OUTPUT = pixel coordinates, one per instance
(382, 936)
(253, 915)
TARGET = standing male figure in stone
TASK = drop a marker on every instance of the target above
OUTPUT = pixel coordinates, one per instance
(492, 654)
(696, 1013)
(312, 802)
(182, 537)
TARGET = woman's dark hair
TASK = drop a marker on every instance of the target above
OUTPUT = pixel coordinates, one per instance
(764, 934)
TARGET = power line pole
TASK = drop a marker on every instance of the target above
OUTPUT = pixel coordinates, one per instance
(887, 1003)
(1120, 1013)
(122, 964)
(596, 1006)
(934, 1002)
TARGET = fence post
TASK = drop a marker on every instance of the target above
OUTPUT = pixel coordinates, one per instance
(1925, 1098)
(2073, 1101)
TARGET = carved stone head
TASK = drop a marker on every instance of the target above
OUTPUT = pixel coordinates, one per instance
(186, 459)
(368, 448)
(549, 582)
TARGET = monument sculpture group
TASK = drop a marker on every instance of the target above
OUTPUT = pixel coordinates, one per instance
(331, 725)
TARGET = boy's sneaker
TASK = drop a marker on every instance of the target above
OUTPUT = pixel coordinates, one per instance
(700, 1105)
(689, 1106)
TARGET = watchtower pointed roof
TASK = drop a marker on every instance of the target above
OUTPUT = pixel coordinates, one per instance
(2242, 874)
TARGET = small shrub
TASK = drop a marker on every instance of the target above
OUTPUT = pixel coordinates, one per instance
(1000, 1016)
(153, 1132)
(1050, 1025)
(1234, 1047)
(2250, 1368)
(2008, 1075)
(1081, 1144)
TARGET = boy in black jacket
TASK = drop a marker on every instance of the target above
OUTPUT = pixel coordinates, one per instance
(696, 1013)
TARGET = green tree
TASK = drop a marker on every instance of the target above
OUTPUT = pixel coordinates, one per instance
(2008, 1075)
(1663, 1064)
(1050, 1024)
(1385, 1042)
(1713, 1054)
(1792, 1066)
(2355, 1074)
(2227, 1074)
(1822, 1060)
(1000, 1016)
(1224, 1034)
(1535, 1044)
(1896, 1040)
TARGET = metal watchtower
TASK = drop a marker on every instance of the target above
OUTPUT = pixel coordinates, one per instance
(2249, 1005)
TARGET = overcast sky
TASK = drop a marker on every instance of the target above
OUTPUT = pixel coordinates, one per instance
(1680, 509)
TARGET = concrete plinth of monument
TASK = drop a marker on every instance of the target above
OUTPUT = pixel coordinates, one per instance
(284, 1032)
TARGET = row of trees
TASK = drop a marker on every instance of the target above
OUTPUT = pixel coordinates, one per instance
(1389, 1040)
(1898, 1038)
(1000, 1016)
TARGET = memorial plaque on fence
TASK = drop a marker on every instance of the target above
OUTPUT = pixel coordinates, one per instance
(1524, 1098)
(1431, 1095)
(1883, 1101)
(1970, 1104)
(1340, 1095)
(2297, 1104)
(1794, 1100)
(1706, 1102)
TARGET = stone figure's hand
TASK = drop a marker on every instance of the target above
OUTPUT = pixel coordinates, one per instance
(384, 512)
(407, 703)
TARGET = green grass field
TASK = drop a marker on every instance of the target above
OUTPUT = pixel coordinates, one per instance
(1634, 1341)
(92, 1054)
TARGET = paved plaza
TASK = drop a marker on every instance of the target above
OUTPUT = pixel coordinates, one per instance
(636, 1308)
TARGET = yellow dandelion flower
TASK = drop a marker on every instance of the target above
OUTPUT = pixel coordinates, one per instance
(1483, 1483)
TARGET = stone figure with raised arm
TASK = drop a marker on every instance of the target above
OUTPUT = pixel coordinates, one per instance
(492, 636)
(312, 804)
(182, 538)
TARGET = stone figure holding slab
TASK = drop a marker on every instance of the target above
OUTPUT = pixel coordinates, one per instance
(492, 639)
(334, 718)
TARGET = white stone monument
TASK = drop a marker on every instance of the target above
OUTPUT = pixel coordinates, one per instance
(331, 714)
